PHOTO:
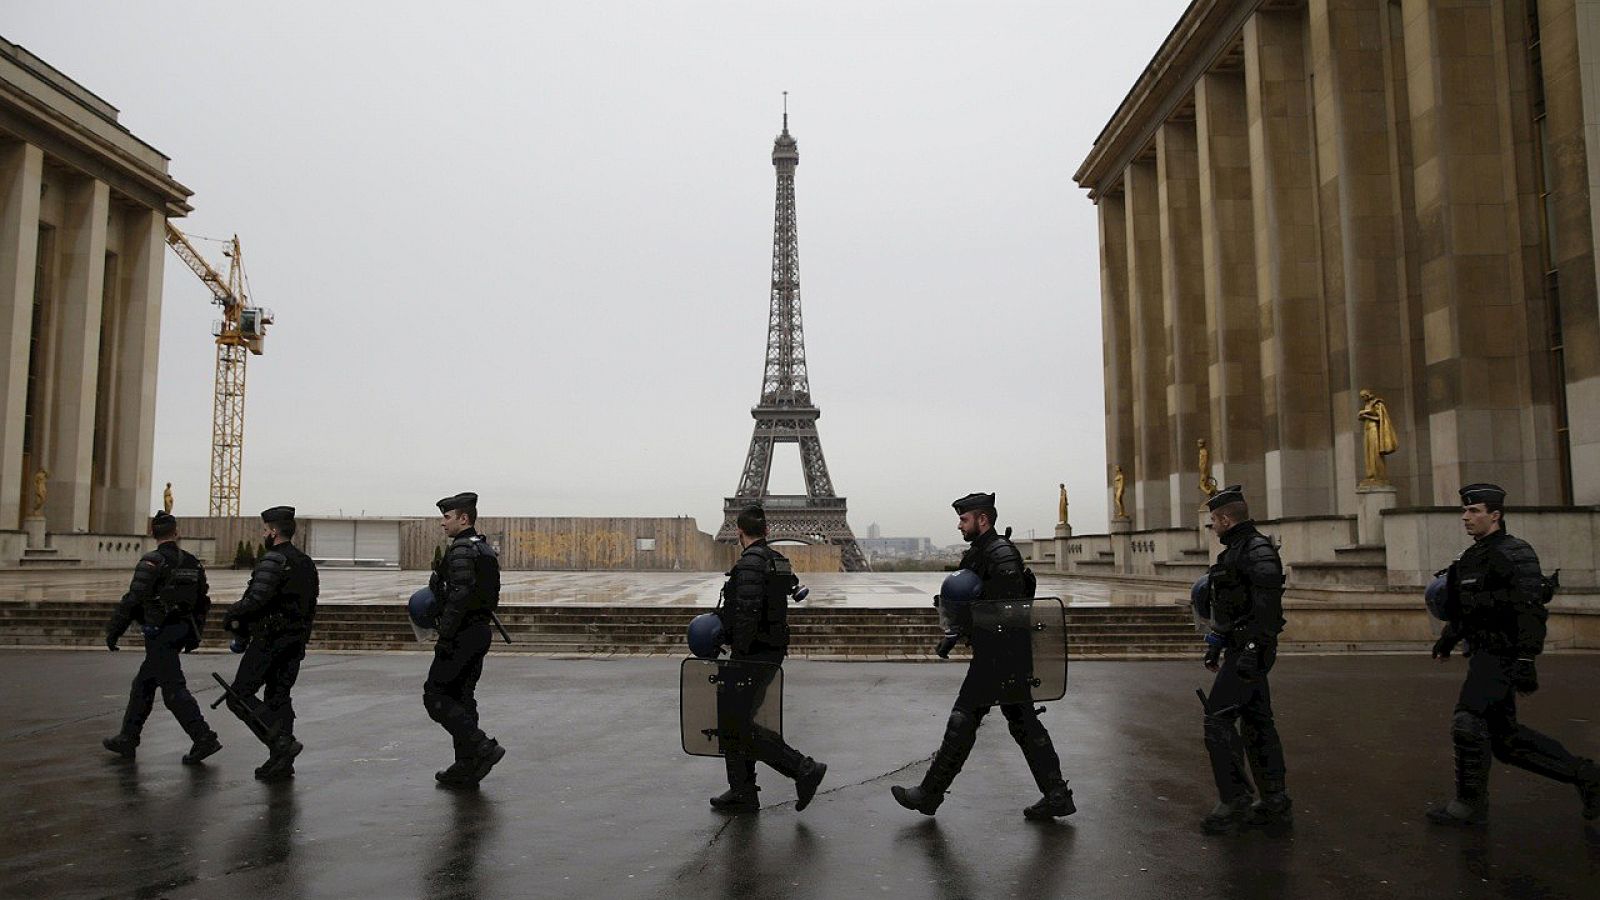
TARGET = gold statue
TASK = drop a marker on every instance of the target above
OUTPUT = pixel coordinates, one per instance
(1119, 484)
(1378, 437)
(1061, 505)
(166, 499)
(40, 478)
(1208, 485)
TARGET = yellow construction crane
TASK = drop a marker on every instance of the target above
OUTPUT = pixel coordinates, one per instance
(242, 327)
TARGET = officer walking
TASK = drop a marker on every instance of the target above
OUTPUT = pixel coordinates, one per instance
(755, 619)
(271, 624)
(466, 583)
(1246, 599)
(999, 564)
(169, 598)
(1495, 601)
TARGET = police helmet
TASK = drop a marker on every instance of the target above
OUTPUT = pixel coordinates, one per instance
(705, 636)
(1200, 596)
(424, 609)
(1436, 595)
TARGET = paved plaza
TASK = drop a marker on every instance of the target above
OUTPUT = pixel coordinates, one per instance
(829, 589)
(596, 799)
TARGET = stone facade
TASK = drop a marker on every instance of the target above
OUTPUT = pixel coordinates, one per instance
(83, 210)
(1302, 199)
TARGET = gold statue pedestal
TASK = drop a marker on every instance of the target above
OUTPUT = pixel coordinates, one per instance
(1371, 501)
(1063, 531)
(34, 526)
(1122, 543)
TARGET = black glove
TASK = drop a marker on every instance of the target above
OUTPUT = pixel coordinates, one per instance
(1214, 644)
(111, 642)
(1446, 643)
(1250, 662)
(946, 645)
(1524, 677)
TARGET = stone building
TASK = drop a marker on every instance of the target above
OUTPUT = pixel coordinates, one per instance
(83, 207)
(1303, 199)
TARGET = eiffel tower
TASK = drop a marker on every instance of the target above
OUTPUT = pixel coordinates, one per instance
(786, 413)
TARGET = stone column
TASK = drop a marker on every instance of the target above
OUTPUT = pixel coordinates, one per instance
(21, 168)
(1296, 414)
(1475, 322)
(132, 442)
(1360, 249)
(1117, 345)
(1183, 312)
(1227, 238)
(1152, 453)
(1570, 49)
(70, 446)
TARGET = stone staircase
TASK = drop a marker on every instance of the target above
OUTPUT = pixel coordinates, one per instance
(1358, 565)
(1140, 632)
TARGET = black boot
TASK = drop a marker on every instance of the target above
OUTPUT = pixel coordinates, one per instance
(1228, 816)
(1055, 803)
(1589, 789)
(280, 761)
(959, 735)
(204, 745)
(1037, 749)
(1469, 735)
(1274, 812)
(482, 760)
(740, 797)
(805, 784)
(123, 745)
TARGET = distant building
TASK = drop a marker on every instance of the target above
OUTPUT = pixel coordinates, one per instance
(896, 547)
(874, 532)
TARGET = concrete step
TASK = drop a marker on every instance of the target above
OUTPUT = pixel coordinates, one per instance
(1339, 572)
(1371, 554)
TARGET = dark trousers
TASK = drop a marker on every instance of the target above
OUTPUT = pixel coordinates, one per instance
(1485, 723)
(750, 743)
(974, 702)
(163, 669)
(272, 662)
(448, 694)
(1239, 726)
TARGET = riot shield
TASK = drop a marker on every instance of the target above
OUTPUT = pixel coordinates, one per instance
(1019, 650)
(425, 635)
(1049, 645)
(724, 703)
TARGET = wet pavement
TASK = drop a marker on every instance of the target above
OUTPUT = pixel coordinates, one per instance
(596, 799)
(833, 589)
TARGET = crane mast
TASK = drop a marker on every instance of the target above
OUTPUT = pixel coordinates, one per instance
(239, 334)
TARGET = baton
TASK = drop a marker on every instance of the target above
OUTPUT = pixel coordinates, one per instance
(502, 629)
(267, 732)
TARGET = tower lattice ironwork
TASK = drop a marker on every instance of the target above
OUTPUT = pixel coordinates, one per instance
(786, 413)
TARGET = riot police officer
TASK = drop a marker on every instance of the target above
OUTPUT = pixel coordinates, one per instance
(1246, 615)
(755, 620)
(271, 624)
(169, 598)
(1495, 598)
(467, 585)
(999, 564)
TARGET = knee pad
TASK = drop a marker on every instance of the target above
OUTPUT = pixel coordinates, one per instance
(1026, 729)
(179, 694)
(1468, 728)
(435, 705)
(962, 726)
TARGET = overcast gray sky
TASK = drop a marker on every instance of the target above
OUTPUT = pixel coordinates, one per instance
(524, 248)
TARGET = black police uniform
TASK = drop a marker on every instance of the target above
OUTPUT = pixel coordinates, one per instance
(1496, 597)
(273, 621)
(1246, 585)
(169, 598)
(466, 583)
(999, 564)
(755, 621)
